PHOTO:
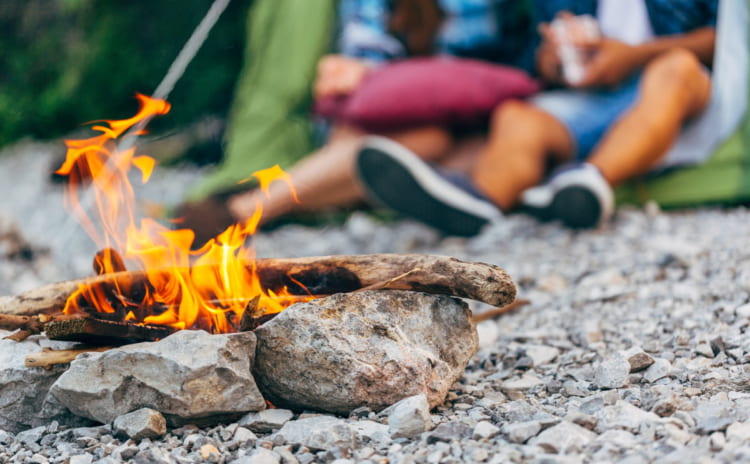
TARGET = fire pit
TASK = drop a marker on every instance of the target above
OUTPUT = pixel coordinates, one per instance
(333, 333)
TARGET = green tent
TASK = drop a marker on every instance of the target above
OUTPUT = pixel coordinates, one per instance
(270, 120)
(725, 177)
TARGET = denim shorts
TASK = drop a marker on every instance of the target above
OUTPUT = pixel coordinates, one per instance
(588, 114)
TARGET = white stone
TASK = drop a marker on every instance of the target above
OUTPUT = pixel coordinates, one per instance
(520, 432)
(318, 433)
(739, 432)
(623, 415)
(717, 441)
(542, 354)
(371, 431)
(612, 372)
(140, 424)
(244, 436)
(564, 438)
(81, 459)
(743, 312)
(409, 417)
(526, 382)
(485, 430)
(267, 420)
(658, 370)
(259, 456)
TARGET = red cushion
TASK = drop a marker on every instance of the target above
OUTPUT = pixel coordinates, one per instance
(425, 91)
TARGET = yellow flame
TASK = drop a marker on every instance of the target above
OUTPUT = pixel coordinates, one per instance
(209, 288)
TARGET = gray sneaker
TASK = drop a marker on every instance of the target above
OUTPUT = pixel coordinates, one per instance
(396, 178)
(578, 196)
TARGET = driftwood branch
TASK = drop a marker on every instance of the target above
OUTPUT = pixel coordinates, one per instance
(48, 358)
(323, 275)
(501, 311)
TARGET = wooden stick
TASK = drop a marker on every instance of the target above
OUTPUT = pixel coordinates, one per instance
(497, 312)
(19, 336)
(322, 275)
(31, 324)
(100, 332)
(388, 283)
(49, 358)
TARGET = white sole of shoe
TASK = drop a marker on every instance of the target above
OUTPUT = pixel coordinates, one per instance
(434, 184)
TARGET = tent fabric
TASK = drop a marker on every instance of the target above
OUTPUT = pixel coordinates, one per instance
(725, 177)
(269, 122)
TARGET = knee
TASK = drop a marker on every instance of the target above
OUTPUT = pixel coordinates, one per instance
(677, 68)
(513, 114)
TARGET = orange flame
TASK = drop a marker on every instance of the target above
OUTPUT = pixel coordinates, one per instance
(209, 288)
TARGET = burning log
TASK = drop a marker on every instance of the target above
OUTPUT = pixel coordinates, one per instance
(323, 275)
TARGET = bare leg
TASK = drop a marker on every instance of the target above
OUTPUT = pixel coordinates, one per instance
(522, 138)
(673, 88)
(326, 178)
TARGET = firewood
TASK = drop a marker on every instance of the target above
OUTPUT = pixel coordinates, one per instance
(442, 275)
(100, 332)
(19, 335)
(48, 358)
(31, 324)
(322, 275)
(501, 311)
(108, 260)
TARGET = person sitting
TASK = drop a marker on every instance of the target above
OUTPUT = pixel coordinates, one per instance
(644, 77)
(374, 32)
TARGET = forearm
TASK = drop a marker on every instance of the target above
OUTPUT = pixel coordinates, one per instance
(700, 41)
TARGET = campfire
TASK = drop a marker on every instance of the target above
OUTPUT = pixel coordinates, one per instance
(152, 281)
(209, 289)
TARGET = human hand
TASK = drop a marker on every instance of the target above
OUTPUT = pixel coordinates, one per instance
(548, 63)
(338, 75)
(610, 64)
(566, 46)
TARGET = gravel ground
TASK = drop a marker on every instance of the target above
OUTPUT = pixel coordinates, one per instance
(634, 347)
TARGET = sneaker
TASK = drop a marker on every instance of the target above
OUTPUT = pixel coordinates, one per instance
(396, 178)
(578, 196)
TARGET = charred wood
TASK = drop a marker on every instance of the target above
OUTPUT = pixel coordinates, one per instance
(100, 332)
(323, 275)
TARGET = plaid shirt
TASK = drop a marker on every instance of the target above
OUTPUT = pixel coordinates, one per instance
(494, 30)
(667, 16)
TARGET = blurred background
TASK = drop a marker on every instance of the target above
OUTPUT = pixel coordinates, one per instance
(67, 62)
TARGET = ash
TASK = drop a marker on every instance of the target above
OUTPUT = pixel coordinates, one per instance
(634, 347)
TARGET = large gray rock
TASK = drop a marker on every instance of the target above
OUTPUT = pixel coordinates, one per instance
(24, 399)
(190, 376)
(370, 348)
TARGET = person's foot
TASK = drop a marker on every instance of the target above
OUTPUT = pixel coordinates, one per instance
(395, 177)
(578, 196)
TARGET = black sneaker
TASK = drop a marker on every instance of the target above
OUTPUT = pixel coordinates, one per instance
(396, 178)
(578, 196)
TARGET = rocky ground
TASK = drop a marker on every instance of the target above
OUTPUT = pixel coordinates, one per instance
(634, 347)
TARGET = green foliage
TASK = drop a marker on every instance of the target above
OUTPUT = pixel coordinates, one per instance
(67, 62)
